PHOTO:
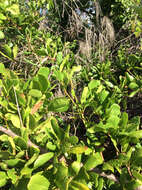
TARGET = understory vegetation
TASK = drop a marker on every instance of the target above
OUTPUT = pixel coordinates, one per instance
(70, 95)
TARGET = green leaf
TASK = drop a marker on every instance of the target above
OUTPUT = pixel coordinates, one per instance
(73, 140)
(94, 84)
(26, 171)
(75, 69)
(44, 83)
(124, 120)
(100, 184)
(76, 166)
(136, 134)
(107, 166)
(44, 71)
(2, 36)
(15, 51)
(22, 184)
(3, 179)
(12, 175)
(42, 159)
(137, 175)
(62, 172)
(59, 57)
(19, 141)
(2, 16)
(59, 132)
(50, 146)
(129, 77)
(93, 161)
(133, 86)
(114, 110)
(77, 149)
(35, 93)
(31, 160)
(60, 104)
(14, 9)
(112, 122)
(64, 61)
(13, 162)
(78, 185)
(132, 94)
(32, 122)
(14, 119)
(136, 157)
(2, 68)
(7, 50)
(38, 181)
(84, 95)
(103, 95)
(4, 155)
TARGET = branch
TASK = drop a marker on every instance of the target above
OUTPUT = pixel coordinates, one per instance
(12, 134)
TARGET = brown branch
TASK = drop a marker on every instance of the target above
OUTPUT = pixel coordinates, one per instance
(12, 134)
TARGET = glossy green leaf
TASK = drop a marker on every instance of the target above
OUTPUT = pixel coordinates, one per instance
(93, 161)
(42, 159)
(62, 172)
(58, 131)
(84, 95)
(2, 68)
(73, 140)
(77, 149)
(76, 167)
(15, 51)
(78, 185)
(136, 157)
(50, 146)
(38, 181)
(133, 86)
(59, 104)
(129, 77)
(14, 119)
(124, 120)
(114, 110)
(7, 50)
(100, 184)
(112, 122)
(26, 171)
(43, 82)
(3, 179)
(108, 167)
(94, 84)
(137, 175)
(35, 93)
(103, 95)
(32, 122)
(132, 94)
(2, 36)
(64, 62)
(14, 9)
(59, 57)
(2, 16)
(136, 134)
(44, 71)
(13, 162)
(19, 141)
(32, 159)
